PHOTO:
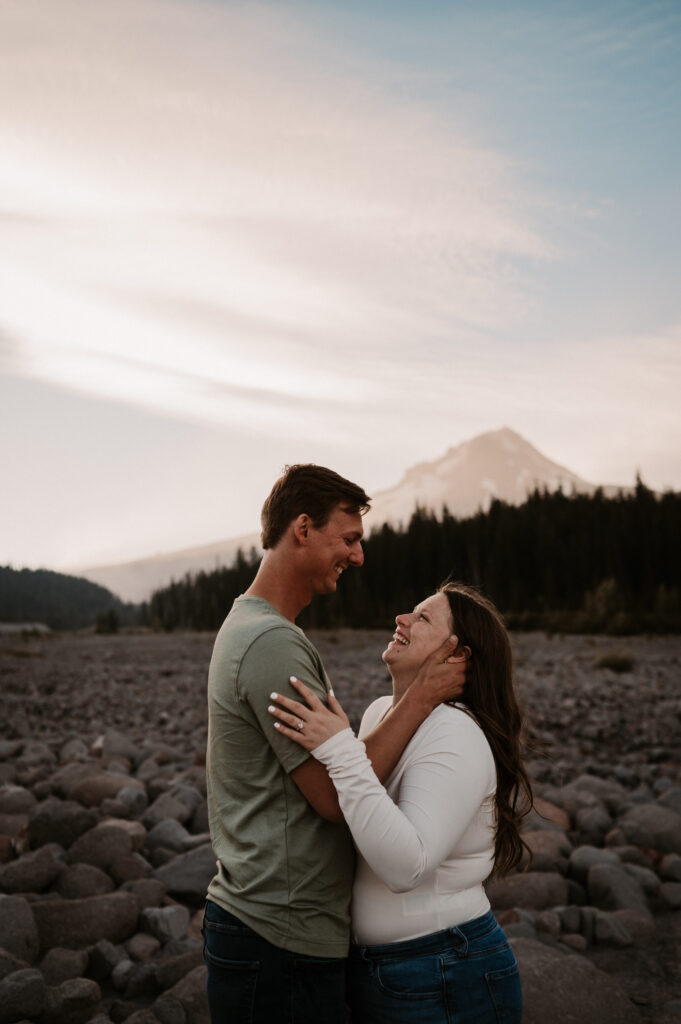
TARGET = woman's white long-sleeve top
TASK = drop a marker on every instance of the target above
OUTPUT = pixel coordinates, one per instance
(425, 842)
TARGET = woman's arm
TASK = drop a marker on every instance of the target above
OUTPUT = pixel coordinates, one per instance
(446, 781)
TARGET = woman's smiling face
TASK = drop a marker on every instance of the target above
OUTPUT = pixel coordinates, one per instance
(419, 634)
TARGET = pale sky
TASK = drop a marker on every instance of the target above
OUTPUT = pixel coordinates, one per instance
(239, 235)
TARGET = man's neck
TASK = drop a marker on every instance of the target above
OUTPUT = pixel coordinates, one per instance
(277, 584)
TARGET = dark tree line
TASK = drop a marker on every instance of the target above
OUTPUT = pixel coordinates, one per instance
(60, 601)
(583, 563)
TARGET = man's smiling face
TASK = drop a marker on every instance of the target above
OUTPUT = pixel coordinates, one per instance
(334, 547)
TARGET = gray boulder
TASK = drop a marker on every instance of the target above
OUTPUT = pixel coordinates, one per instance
(18, 931)
(165, 923)
(567, 989)
(100, 846)
(82, 880)
(169, 834)
(169, 1010)
(134, 798)
(534, 890)
(670, 893)
(670, 868)
(22, 994)
(72, 1002)
(117, 744)
(32, 872)
(60, 965)
(190, 992)
(78, 923)
(671, 798)
(58, 821)
(652, 825)
(104, 957)
(188, 874)
(550, 849)
(15, 799)
(148, 892)
(646, 878)
(592, 824)
(73, 750)
(99, 786)
(613, 888)
(584, 857)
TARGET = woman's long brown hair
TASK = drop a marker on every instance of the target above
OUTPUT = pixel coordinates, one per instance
(490, 696)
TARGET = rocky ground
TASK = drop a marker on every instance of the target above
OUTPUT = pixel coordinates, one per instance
(104, 853)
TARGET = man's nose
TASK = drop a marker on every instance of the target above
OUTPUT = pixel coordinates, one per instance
(356, 556)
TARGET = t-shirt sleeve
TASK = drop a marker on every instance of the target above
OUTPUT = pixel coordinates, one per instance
(449, 774)
(265, 669)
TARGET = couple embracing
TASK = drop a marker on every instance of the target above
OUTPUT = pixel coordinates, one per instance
(350, 870)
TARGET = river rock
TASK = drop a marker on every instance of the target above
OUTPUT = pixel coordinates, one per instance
(652, 825)
(73, 750)
(100, 846)
(165, 923)
(18, 931)
(104, 957)
(58, 821)
(591, 825)
(670, 868)
(534, 890)
(169, 834)
(190, 992)
(79, 881)
(149, 892)
(22, 994)
(117, 744)
(92, 789)
(613, 888)
(82, 922)
(550, 850)
(15, 799)
(134, 798)
(567, 989)
(170, 969)
(670, 892)
(73, 1001)
(189, 873)
(33, 872)
(584, 857)
(671, 798)
(60, 964)
(142, 946)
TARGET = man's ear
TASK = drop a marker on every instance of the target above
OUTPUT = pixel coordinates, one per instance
(301, 528)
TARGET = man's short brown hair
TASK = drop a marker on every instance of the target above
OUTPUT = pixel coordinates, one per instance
(313, 490)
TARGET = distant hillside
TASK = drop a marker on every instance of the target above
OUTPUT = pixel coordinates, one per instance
(135, 581)
(57, 600)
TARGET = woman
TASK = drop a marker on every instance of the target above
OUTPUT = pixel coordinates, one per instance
(428, 947)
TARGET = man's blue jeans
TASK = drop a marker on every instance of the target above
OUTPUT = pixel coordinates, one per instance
(463, 975)
(250, 981)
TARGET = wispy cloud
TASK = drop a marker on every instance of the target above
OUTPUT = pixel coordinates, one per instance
(186, 159)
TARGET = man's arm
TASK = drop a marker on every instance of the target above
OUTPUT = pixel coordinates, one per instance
(438, 680)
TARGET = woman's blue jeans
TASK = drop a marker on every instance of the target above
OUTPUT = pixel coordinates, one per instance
(250, 981)
(462, 975)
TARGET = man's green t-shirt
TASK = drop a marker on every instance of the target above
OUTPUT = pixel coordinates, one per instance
(282, 869)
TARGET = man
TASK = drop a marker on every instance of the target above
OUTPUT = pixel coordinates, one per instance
(277, 922)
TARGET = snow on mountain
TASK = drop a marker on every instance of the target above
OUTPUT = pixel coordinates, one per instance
(500, 464)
